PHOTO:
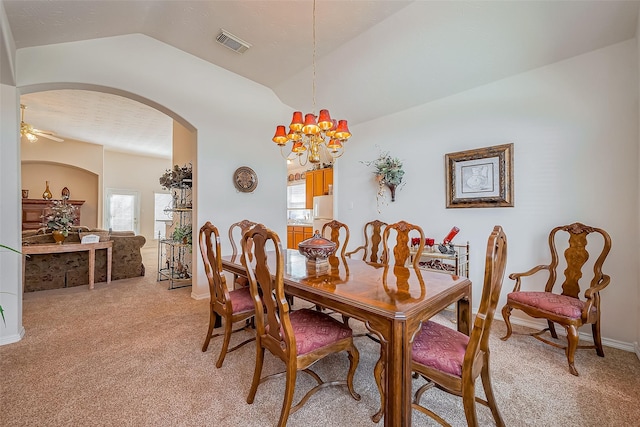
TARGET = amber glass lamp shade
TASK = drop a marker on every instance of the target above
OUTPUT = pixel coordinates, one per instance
(280, 137)
(298, 147)
(296, 122)
(310, 126)
(334, 145)
(324, 120)
(332, 130)
(342, 131)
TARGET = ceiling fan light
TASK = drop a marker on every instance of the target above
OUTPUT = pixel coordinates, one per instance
(310, 126)
(280, 137)
(296, 122)
(31, 137)
(342, 131)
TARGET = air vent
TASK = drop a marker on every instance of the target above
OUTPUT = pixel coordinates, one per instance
(234, 43)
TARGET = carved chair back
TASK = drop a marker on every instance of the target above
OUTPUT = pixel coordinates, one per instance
(209, 241)
(372, 248)
(335, 227)
(401, 254)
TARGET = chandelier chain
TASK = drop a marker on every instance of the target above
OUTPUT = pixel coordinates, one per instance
(314, 58)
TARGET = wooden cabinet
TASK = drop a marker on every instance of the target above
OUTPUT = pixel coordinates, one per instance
(317, 184)
(297, 234)
(34, 209)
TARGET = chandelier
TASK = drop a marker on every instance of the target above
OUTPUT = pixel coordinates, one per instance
(314, 134)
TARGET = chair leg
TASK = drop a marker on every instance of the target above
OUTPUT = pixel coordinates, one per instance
(552, 329)
(488, 391)
(225, 343)
(469, 403)
(506, 314)
(354, 358)
(572, 338)
(257, 372)
(213, 319)
(288, 394)
(597, 338)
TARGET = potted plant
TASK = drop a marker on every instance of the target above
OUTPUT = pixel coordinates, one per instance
(182, 234)
(59, 219)
(388, 171)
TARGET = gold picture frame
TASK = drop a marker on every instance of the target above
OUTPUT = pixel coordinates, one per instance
(480, 178)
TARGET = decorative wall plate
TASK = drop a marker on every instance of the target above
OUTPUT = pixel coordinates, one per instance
(245, 179)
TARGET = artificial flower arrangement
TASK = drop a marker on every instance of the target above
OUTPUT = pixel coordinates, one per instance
(60, 216)
(178, 177)
(388, 171)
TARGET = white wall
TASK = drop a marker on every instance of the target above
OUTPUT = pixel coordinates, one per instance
(574, 127)
(233, 116)
(10, 216)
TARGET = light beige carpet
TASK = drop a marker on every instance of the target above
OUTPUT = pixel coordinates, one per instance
(129, 354)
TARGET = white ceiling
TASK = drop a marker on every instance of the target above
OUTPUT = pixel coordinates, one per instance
(390, 55)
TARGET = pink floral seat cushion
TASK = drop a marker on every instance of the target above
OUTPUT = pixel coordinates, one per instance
(439, 347)
(314, 330)
(241, 300)
(561, 305)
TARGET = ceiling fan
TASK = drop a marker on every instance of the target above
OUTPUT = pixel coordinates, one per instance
(32, 133)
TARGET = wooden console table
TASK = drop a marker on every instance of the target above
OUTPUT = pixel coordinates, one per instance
(71, 247)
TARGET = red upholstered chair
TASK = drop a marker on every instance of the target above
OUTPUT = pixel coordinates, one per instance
(372, 248)
(236, 230)
(232, 306)
(299, 338)
(565, 307)
(450, 360)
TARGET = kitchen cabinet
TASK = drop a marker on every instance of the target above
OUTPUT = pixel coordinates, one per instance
(297, 234)
(317, 184)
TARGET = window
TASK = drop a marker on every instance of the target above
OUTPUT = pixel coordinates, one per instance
(162, 217)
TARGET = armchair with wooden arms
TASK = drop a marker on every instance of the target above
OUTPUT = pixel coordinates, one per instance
(232, 306)
(565, 307)
(372, 248)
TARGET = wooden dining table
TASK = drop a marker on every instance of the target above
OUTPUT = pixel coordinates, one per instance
(392, 301)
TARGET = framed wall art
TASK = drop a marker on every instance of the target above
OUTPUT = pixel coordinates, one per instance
(480, 178)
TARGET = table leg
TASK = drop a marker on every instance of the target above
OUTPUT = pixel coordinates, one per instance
(398, 377)
(109, 255)
(92, 266)
(464, 315)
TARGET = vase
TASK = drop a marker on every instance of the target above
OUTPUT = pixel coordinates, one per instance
(392, 187)
(58, 236)
(47, 193)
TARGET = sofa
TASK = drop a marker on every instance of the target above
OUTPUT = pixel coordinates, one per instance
(65, 270)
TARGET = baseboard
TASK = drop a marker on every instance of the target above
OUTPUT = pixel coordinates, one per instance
(10, 339)
(199, 296)
(621, 345)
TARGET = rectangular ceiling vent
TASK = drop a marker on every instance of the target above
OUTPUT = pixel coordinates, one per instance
(234, 43)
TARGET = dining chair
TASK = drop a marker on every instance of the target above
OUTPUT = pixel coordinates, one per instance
(401, 253)
(565, 307)
(238, 228)
(452, 361)
(372, 248)
(232, 306)
(299, 338)
(335, 229)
